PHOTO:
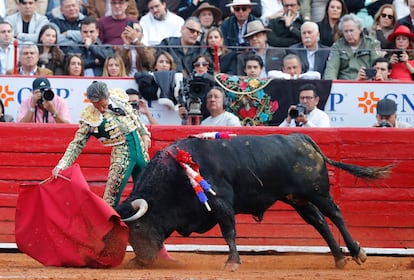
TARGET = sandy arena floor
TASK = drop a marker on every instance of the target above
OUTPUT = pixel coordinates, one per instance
(292, 266)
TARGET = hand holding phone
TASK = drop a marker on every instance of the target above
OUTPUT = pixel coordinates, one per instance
(370, 73)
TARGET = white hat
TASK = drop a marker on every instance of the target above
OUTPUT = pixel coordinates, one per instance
(241, 3)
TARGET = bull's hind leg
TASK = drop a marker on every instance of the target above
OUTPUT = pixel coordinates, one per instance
(314, 217)
(329, 208)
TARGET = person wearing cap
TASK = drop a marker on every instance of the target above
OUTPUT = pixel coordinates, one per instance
(140, 106)
(43, 106)
(312, 53)
(234, 27)
(402, 58)
(351, 52)
(387, 115)
(286, 28)
(257, 37)
(209, 16)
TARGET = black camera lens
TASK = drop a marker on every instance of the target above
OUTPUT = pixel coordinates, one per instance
(135, 105)
(48, 94)
(294, 113)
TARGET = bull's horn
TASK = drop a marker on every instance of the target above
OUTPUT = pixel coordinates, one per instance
(138, 204)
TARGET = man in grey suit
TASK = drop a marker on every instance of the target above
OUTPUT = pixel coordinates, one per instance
(256, 35)
(312, 54)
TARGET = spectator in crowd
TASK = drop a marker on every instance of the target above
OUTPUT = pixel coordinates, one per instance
(99, 9)
(114, 66)
(216, 105)
(408, 20)
(402, 59)
(235, 26)
(209, 16)
(202, 65)
(253, 65)
(159, 23)
(227, 59)
(380, 71)
(91, 49)
(3, 116)
(43, 106)
(74, 65)
(292, 69)
(383, 26)
(313, 10)
(50, 55)
(328, 27)
(285, 30)
(270, 9)
(185, 48)
(312, 116)
(256, 8)
(257, 38)
(110, 26)
(140, 106)
(68, 22)
(136, 56)
(13, 6)
(26, 22)
(6, 47)
(312, 53)
(164, 61)
(28, 60)
(351, 52)
(387, 115)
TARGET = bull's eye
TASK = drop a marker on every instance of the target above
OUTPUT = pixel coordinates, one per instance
(137, 226)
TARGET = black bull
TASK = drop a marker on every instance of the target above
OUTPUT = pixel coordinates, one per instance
(249, 174)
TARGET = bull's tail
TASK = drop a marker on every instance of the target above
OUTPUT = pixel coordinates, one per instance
(369, 172)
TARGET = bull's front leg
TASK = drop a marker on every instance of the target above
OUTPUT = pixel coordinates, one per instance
(226, 221)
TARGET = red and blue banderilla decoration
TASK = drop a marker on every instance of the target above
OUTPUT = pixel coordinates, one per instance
(192, 170)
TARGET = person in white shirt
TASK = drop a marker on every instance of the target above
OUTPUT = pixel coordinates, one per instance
(159, 23)
(307, 115)
(216, 106)
(6, 47)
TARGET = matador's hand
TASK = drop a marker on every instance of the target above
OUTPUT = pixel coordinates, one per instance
(55, 172)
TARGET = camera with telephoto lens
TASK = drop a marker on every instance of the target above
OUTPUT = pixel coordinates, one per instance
(299, 110)
(47, 94)
(384, 123)
(194, 92)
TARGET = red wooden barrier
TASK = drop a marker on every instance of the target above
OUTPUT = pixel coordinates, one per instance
(378, 214)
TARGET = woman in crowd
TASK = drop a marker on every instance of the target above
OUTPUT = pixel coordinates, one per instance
(114, 67)
(164, 62)
(402, 60)
(202, 65)
(227, 58)
(383, 26)
(328, 27)
(74, 65)
(50, 55)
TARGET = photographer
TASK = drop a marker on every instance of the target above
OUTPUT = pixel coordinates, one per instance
(306, 113)
(44, 106)
(387, 116)
(380, 71)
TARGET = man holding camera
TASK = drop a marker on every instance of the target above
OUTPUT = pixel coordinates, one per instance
(387, 115)
(43, 106)
(306, 113)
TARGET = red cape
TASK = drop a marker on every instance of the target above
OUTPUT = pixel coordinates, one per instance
(63, 223)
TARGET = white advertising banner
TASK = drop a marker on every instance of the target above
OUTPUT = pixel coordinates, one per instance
(350, 104)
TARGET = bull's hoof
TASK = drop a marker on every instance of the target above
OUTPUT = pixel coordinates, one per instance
(231, 266)
(361, 257)
(340, 262)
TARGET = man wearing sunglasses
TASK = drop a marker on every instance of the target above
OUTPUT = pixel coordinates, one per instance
(286, 28)
(234, 27)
